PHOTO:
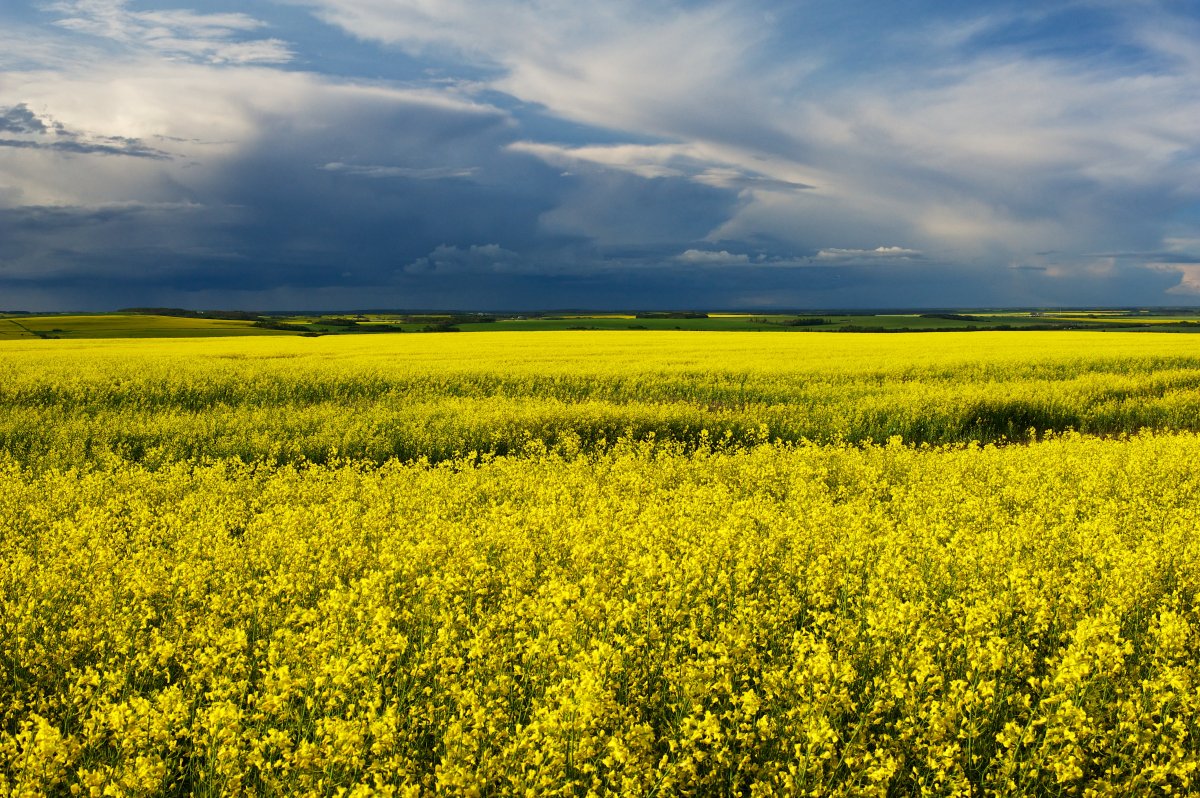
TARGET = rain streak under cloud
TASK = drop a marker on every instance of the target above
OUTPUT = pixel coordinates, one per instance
(506, 154)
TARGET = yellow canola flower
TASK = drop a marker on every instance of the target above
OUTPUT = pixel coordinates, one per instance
(575, 592)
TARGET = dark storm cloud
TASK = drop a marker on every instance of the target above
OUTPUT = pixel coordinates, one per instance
(55, 137)
(347, 224)
(1152, 257)
(320, 205)
(666, 284)
(127, 147)
(759, 182)
(634, 288)
(441, 193)
(613, 207)
(405, 172)
(107, 245)
(19, 119)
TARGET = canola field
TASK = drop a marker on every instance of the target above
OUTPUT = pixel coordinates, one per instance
(601, 564)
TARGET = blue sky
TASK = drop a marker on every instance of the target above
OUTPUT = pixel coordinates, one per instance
(524, 154)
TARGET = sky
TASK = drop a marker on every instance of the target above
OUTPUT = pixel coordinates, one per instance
(621, 154)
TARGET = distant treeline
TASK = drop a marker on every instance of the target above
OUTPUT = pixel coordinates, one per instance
(230, 315)
(800, 321)
(281, 325)
(452, 319)
(950, 316)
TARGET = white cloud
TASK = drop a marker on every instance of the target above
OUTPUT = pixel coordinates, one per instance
(212, 38)
(710, 258)
(1189, 277)
(404, 172)
(702, 164)
(25, 47)
(1182, 257)
(200, 117)
(1189, 280)
(877, 254)
(645, 160)
(450, 259)
(1182, 244)
(698, 75)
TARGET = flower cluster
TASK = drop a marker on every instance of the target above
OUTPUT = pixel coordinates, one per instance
(651, 618)
(591, 564)
(405, 397)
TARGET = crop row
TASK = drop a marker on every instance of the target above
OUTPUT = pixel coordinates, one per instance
(293, 400)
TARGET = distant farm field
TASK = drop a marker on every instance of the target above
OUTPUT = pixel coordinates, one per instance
(374, 398)
(180, 323)
(122, 325)
(591, 563)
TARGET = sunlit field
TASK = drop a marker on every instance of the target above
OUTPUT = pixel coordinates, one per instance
(297, 399)
(639, 563)
(121, 325)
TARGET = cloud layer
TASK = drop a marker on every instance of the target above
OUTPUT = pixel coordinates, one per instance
(632, 154)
